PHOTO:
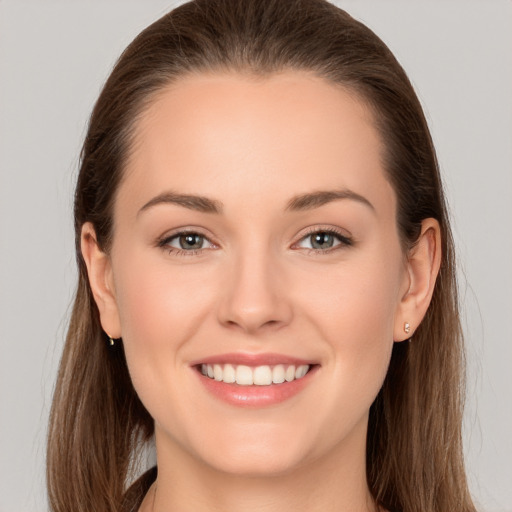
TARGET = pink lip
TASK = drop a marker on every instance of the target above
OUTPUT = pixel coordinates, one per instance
(268, 359)
(254, 396)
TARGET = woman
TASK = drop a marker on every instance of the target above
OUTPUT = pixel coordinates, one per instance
(267, 284)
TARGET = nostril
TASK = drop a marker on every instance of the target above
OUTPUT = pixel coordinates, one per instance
(253, 323)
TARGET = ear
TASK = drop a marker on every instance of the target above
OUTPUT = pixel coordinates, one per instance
(99, 270)
(423, 263)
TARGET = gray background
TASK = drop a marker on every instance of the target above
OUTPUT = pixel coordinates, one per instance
(54, 56)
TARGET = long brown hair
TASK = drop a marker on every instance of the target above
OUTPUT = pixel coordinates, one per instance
(97, 424)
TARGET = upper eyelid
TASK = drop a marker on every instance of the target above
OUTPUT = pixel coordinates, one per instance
(164, 243)
(184, 231)
(325, 229)
(344, 240)
(181, 233)
(342, 233)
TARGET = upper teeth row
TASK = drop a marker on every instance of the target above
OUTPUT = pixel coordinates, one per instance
(259, 375)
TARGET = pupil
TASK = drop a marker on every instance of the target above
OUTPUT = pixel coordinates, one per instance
(191, 241)
(322, 240)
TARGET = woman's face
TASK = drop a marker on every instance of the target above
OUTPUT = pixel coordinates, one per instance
(254, 231)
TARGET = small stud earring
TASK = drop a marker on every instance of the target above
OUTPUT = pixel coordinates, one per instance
(111, 341)
(407, 328)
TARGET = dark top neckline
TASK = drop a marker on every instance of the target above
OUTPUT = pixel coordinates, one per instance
(133, 497)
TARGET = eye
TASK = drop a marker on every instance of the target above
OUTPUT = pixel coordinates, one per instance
(323, 240)
(186, 242)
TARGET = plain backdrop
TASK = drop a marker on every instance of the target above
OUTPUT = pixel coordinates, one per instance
(54, 57)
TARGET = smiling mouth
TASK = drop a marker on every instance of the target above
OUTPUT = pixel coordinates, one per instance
(264, 375)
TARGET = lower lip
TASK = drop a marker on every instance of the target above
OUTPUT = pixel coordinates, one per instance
(256, 396)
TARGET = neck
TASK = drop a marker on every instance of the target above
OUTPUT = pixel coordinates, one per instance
(334, 483)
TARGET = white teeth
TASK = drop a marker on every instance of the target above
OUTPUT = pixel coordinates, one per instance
(278, 374)
(229, 374)
(258, 376)
(217, 372)
(244, 376)
(290, 374)
(301, 371)
(262, 375)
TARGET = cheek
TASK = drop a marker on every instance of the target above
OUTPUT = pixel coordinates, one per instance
(357, 301)
(156, 298)
(161, 308)
(355, 313)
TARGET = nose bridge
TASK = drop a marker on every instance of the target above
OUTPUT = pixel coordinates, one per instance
(254, 294)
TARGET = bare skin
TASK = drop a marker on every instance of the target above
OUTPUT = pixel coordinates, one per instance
(322, 278)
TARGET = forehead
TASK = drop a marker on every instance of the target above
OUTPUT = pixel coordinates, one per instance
(236, 135)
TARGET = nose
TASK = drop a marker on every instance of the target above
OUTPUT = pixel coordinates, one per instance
(254, 298)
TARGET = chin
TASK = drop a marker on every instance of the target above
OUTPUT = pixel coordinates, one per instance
(256, 464)
(257, 452)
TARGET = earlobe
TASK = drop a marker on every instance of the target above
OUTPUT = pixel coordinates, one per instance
(99, 271)
(423, 264)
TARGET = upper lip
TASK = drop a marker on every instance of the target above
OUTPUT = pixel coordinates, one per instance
(267, 359)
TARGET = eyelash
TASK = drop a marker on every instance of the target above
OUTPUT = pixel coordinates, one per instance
(164, 243)
(344, 240)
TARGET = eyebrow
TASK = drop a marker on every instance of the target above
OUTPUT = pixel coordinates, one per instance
(301, 202)
(192, 202)
(321, 197)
